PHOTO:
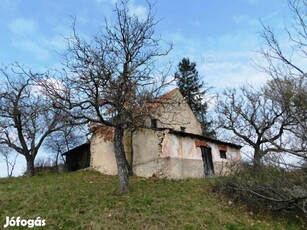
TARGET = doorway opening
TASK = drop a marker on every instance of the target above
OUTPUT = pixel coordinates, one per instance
(207, 159)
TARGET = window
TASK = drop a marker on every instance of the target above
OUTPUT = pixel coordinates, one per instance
(223, 150)
(182, 129)
(223, 154)
(153, 123)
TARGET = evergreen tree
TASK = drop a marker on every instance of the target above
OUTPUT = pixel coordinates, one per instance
(194, 92)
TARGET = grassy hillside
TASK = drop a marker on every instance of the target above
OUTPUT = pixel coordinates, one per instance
(88, 200)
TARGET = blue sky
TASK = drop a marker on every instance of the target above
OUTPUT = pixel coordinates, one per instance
(221, 36)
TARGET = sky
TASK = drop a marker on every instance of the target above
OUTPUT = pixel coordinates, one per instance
(221, 36)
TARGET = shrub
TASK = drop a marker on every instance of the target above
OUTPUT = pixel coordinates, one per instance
(267, 188)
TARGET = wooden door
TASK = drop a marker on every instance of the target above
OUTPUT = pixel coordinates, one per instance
(208, 163)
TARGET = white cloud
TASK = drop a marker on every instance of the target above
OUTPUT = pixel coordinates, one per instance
(246, 20)
(223, 61)
(234, 73)
(176, 37)
(34, 48)
(239, 18)
(138, 11)
(23, 26)
(63, 30)
(58, 42)
(83, 19)
(39, 89)
(134, 9)
(104, 1)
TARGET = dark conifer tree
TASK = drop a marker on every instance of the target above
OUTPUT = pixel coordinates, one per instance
(194, 92)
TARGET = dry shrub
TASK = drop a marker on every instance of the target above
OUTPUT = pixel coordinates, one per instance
(266, 188)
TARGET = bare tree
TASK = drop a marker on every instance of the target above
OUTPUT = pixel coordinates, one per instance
(113, 78)
(273, 120)
(290, 95)
(27, 115)
(9, 162)
(286, 64)
(63, 141)
(254, 120)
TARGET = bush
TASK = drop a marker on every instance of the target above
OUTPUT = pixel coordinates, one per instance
(45, 165)
(266, 188)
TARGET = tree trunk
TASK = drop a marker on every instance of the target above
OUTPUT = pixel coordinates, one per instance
(57, 161)
(256, 160)
(121, 160)
(30, 165)
(7, 166)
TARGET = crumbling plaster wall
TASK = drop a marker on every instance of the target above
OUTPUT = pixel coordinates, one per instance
(161, 154)
(146, 148)
(178, 114)
(181, 157)
(184, 159)
(223, 166)
(158, 153)
(102, 156)
(146, 153)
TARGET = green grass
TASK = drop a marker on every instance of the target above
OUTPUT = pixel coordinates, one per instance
(89, 200)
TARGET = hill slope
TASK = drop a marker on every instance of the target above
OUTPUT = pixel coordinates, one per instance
(88, 200)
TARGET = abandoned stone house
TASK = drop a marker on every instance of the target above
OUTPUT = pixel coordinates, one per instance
(171, 145)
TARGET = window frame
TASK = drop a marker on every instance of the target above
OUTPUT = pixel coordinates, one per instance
(223, 154)
(154, 123)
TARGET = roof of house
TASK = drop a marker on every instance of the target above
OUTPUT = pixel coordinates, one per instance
(155, 103)
(152, 106)
(94, 126)
(201, 137)
(85, 145)
(169, 94)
